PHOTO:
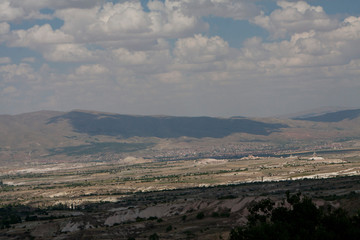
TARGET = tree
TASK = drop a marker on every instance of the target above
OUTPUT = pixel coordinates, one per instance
(297, 218)
(154, 237)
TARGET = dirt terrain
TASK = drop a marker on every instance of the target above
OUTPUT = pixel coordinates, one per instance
(187, 199)
(192, 213)
(94, 182)
(84, 175)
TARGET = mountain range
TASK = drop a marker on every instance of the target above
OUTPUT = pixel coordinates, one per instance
(50, 134)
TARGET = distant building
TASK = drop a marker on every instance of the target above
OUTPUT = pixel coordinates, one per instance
(250, 157)
(315, 157)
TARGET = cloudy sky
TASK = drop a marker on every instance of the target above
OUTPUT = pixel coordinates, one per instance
(188, 57)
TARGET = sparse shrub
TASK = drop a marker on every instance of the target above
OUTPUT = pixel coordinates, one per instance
(169, 228)
(200, 215)
(227, 197)
(139, 219)
(31, 218)
(302, 220)
(154, 237)
(215, 214)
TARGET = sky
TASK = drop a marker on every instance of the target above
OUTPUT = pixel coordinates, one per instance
(222, 58)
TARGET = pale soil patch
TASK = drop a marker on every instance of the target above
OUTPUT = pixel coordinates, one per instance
(211, 161)
(71, 227)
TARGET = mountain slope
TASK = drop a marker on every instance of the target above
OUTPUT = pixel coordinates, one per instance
(162, 127)
(333, 116)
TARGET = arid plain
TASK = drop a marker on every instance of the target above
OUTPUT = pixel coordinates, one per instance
(64, 179)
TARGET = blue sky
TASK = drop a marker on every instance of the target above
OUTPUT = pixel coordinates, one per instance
(189, 57)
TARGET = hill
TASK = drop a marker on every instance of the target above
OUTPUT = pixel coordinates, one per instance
(332, 116)
(88, 136)
(127, 126)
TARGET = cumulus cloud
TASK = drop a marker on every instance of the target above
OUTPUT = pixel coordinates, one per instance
(238, 10)
(29, 59)
(69, 52)
(4, 60)
(14, 10)
(90, 70)
(37, 36)
(127, 57)
(18, 10)
(9, 90)
(295, 17)
(161, 57)
(169, 20)
(4, 28)
(13, 73)
(8, 12)
(124, 23)
(51, 4)
(313, 49)
(200, 49)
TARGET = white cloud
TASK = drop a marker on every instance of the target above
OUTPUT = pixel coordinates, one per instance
(69, 53)
(311, 49)
(238, 10)
(169, 20)
(127, 57)
(4, 28)
(37, 36)
(51, 4)
(5, 60)
(200, 49)
(13, 72)
(91, 70)
(15, 10)
(109, 26)
(171, 77)
(29, 60)
(161, 60)
(18, 10)
(149, 62)
(295, 17)
(125, 24)
(9, 13)
(9, 90)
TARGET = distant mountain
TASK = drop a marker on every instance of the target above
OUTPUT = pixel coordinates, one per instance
(162, 126)
(311, 113)
(81, 136)
(332, 116)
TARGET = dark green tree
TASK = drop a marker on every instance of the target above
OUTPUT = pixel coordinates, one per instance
(296, 219)
(154, 237)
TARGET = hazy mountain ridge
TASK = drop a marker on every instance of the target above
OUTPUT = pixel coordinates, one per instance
(311, 112)
(332, 116)
(49, 136)
(163, 127)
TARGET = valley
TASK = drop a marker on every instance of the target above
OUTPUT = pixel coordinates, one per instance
(78, 175)
(178, 200)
